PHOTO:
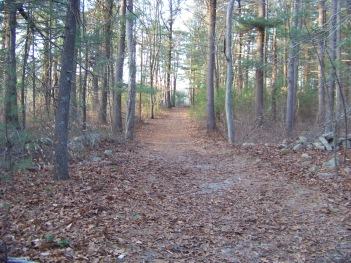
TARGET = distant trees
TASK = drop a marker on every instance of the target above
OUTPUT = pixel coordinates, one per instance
(287, 57)
(298, 63)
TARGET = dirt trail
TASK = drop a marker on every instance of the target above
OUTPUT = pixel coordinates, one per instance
(173, 196)
(215, 206)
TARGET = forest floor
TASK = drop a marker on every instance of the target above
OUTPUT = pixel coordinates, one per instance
(177, 195)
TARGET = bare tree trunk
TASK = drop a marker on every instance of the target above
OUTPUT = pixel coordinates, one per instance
(229, 84)
(259, 66)
(292, 70)
(274, 76)
(27, 46)
(85, 78)
(64, 90)
(10, 76)
(321, 66)
(239, 82)
(130, 113)
(95, 80)
(169, 58)
(107, 56)
(210, 111)
(45, 79)
(332, 73)
(34, 89)
(339, 95)
(74, 102)
(117, 123)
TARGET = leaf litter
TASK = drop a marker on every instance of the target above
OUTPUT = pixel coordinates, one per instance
(177, 195)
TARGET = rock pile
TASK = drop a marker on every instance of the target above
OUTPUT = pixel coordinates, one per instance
(324, 142)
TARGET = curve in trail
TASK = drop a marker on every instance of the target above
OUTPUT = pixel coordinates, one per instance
(207, 204)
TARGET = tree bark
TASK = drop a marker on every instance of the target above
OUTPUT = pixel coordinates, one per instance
(321, 65)
(229, 84)
(64, 90)
(292, 70)
(210, 111)
(131, 44)
(117, 123)
(107, 56)
(169, 56)
(332, 72)
(259, 66)
(27, 46)
(10, 76)
(339, 95)
(274, 76)
(239, 82)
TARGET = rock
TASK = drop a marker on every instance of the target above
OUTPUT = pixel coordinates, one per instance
(310, 146)
(347, 170)
(285, 151)
(75, 146)
(19, 260)
(298, 147)
(325, 175)
(286, 141)
(305, 155)
(306, 163)
(247, 144)
(313, 169)
(284, 146)
(328, 135)
(325, 143)
(108, 152)
(95, 159)
(302, 140)
(346, 144)
(47, 141)
(93, 138)
(318, 146)
(331, 163)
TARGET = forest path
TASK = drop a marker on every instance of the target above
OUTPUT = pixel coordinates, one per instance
(217, 206)
(175, 195)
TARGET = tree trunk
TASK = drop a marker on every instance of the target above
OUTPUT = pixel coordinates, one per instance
(292, 70)
(210, 111)
(117, 123)
(274, 77)
(46, 78)
(339, 95)
(27, 46)
(169, 56)
(64, 90)
(130, 113)
(259, 66)
(74, 101)
(332, 71)
(321, 66)
(10, 76)
(95, 80)
(239, 82)
(107, 56)
(229, 84)
(85, 78)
